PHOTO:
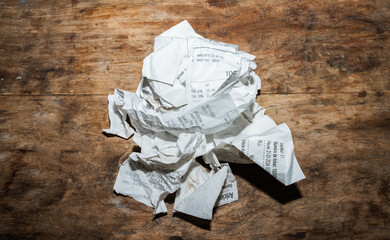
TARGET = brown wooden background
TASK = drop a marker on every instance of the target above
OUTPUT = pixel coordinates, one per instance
(325, 72)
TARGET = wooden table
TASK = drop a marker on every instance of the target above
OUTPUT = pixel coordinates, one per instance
(325, 71)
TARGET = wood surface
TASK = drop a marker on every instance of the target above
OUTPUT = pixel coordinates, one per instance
(325, 72)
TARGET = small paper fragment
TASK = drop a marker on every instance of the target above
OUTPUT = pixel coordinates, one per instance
(274, 152)
(229, 191)
(192, 191)
(129, 183)
(200, 201)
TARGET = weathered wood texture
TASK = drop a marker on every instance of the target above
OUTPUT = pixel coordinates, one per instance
(325, 72)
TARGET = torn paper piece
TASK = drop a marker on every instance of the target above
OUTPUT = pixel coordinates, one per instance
(199, 175)
(207, 117)
(149, 185)
(153, 179)
(229, 191)
(262, 141)
(197, 195)
(118, 124)
(130, 183)
(198, 66)
(274, 152)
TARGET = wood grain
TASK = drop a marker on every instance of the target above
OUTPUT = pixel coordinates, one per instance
(325, 72)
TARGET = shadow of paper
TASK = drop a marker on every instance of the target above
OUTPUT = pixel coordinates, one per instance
(201, 223)
(258, 92)
(109, 135)
(262, 180)
(170, 198)
(159, 215)
(136, 148)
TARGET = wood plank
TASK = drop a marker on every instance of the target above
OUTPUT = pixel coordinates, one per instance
(59, 162)
(78, 48)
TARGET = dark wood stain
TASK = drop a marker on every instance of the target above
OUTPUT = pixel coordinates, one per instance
(74, 3)
(298, 235)
(330, 126)
(362, 94)
(221, 3)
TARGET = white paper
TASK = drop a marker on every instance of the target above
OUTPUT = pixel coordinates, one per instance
(196, 98)
(158, 171)
(202, 190)
(229, 192)
(199, 192)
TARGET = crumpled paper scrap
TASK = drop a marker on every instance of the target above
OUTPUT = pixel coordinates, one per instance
(196, 99)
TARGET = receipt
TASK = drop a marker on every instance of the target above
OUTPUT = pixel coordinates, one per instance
(194, 111)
